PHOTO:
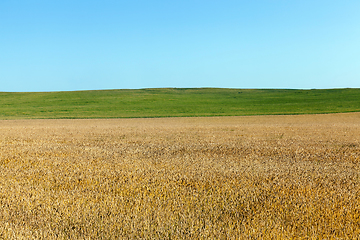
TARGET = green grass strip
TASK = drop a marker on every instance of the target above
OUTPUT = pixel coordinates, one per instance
(175, 102)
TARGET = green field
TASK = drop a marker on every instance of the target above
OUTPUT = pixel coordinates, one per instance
(174, 102)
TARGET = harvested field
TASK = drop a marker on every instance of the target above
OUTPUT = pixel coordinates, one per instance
(259, 177)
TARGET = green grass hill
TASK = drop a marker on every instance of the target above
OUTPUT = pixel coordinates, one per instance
(176, 102)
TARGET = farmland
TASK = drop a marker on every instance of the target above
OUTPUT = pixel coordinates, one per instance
(250, 177)
(176, 102)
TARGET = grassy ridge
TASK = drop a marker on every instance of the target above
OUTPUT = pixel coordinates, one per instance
(176, 103)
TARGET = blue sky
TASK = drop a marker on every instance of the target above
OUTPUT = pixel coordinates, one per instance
(48, 45)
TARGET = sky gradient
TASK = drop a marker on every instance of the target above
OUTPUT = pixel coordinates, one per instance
(88, 45)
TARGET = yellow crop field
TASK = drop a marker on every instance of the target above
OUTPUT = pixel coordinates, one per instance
(258, 177)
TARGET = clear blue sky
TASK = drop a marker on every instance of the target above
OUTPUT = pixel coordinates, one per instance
(48, 45)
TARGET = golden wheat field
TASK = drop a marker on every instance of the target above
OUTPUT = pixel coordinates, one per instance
(259, 177)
